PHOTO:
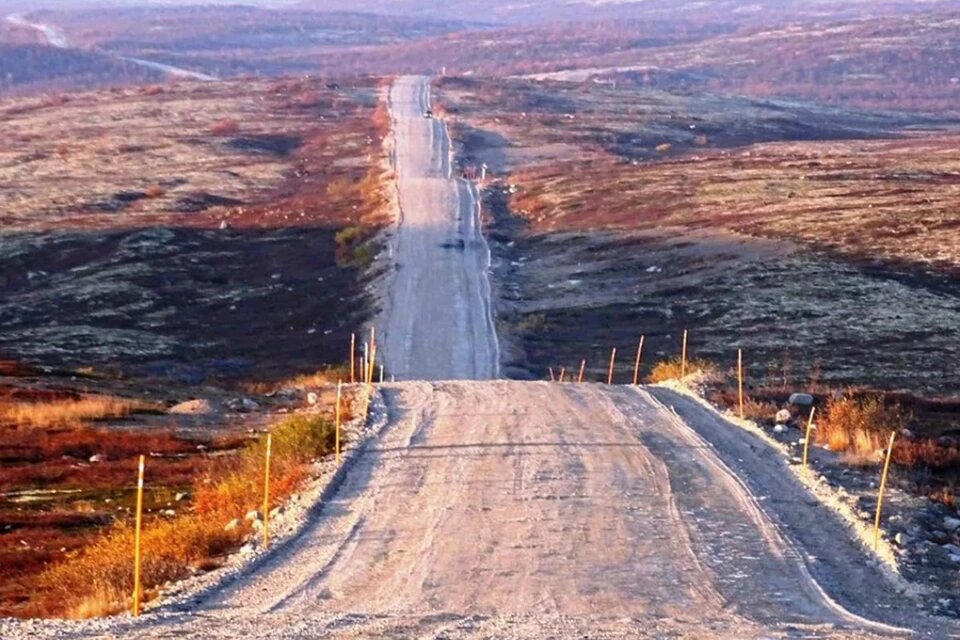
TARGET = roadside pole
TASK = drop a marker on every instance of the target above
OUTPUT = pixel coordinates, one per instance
(353, 357)
(806, 438)
(583, 366)
(336, 413)
(683, 357)
(636, 365)
(883, 485)
(266, 494)
(137, 590)
(740, 380)
(613, 359)
(563, 372)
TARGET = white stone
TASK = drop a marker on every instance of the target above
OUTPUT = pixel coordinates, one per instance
(252, 516)
(233, 524)
(783, 416)
(198, 407)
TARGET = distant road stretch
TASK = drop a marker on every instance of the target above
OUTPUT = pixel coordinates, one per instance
(437, 322)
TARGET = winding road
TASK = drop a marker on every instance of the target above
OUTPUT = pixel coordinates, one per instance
(500, 509)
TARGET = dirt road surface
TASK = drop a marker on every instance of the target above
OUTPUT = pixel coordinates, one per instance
(537, 510)
(437, 322)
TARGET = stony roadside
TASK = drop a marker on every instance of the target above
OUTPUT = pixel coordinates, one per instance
(919, 538)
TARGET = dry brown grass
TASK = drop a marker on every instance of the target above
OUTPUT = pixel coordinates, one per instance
(98, 579)
(671, 369)
(858, 427)
(69, 411)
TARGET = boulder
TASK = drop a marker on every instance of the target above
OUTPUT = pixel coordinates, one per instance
(312, 398)
(783, 416)
(951, 524)
(801, 399)
(197, 407)
(252, 516)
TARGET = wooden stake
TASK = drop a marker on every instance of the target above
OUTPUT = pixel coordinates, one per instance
(381, 374)
(563, 372)
(883, 485)
(337, 414)
(552, 378)
(353, 357)
(740, 381)
(683, 357)
(266, 494)
(806, 438)
(583, 366)
(636, 365)
(137, 590)
(613, 358)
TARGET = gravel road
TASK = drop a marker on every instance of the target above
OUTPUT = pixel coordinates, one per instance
(535, 510)
(437, 322)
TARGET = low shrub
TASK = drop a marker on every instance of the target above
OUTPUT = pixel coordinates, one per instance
(671, 369)
(858, 426)
(225, 127)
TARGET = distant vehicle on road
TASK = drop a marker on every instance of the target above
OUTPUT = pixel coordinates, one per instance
(428, 113)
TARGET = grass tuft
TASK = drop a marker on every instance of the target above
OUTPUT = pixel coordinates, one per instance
(670, 369)
(60, 413)
(858, 427)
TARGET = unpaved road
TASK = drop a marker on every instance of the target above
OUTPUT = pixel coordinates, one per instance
(437, 322)
(537, 510)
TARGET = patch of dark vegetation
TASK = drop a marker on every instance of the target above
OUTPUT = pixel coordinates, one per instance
(184, 303)
(201, 201)
(277, 144)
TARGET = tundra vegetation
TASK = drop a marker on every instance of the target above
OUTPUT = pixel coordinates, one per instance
(161, 244)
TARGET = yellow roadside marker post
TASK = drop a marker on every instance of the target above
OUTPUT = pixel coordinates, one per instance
(636, 365)
(137, 590)
(583, 366)
(683, 357)
(740, 381)
(883, 485)
(806, 438)
(266, 494)
(337, 423)
(613, 358)
(563, 373)
(353, 357)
